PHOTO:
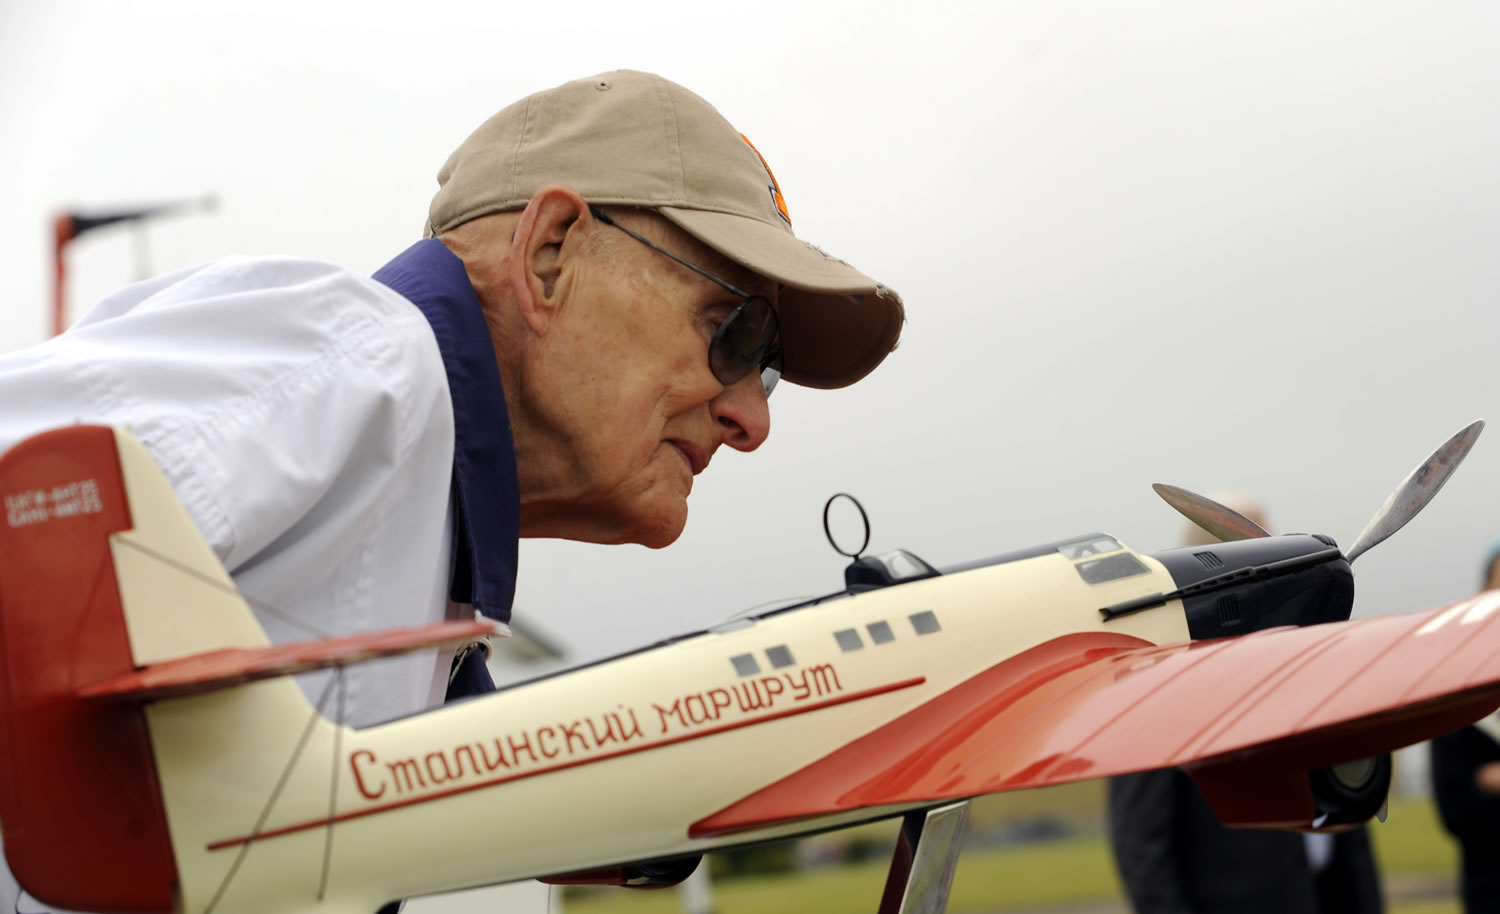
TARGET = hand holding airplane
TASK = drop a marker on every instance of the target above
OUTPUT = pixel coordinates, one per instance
(155, 756)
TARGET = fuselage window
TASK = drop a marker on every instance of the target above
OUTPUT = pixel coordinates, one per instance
(1094, 545)
(925, 623)
(880, 632)
(849, 640)
(1111, 568)
(780, 656)
(745, 664)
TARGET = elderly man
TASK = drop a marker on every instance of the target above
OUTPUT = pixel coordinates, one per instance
(609, 291)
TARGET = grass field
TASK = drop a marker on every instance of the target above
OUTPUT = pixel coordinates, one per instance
(1416, 859)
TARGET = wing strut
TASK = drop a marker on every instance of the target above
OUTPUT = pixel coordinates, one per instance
(924, 860)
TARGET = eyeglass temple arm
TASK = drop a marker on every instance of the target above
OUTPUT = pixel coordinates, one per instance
(603, 217)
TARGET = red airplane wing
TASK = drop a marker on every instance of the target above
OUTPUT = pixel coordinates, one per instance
(212, 670)
(1250, 713)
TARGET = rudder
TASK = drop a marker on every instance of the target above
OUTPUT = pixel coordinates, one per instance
(80, 803)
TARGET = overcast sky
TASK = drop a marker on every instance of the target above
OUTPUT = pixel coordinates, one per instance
(1241, 246)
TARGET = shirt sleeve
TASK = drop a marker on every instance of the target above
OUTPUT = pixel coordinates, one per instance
(263, 387)
(1468, 813)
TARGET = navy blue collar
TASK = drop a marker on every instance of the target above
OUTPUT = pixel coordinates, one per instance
(486, 495)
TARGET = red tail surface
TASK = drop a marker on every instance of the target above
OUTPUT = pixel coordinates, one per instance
(79, 799)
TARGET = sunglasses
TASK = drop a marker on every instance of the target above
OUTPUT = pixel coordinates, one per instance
(747, 340)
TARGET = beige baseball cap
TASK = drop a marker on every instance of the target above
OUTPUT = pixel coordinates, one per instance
(636, 139)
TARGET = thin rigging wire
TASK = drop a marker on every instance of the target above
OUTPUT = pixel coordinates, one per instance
(333, 789)
(223, 587)
(265, 812)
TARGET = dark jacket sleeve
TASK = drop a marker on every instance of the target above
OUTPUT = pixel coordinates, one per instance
(1468, 813)
(1143, 810)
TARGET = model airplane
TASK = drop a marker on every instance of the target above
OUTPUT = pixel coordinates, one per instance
(156, 756)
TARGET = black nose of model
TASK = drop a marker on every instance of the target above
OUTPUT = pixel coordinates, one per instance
(1248, 585)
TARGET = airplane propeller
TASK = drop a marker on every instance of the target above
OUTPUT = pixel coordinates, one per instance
(1403, 504)
(1417, 489)
(1409, 498)
(1222, 521)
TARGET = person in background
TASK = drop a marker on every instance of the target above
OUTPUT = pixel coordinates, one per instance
(1465, 773)
(1174, 857)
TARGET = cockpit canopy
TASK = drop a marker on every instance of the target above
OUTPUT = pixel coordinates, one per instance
(895, 567)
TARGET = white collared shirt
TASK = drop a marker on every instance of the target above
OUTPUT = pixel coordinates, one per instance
(301, 413)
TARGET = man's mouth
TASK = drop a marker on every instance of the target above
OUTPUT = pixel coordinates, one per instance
(697, 460)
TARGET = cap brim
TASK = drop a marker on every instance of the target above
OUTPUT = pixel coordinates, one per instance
(837, 324)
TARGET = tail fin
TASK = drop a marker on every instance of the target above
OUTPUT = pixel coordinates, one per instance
(80, 804)
(111, 800)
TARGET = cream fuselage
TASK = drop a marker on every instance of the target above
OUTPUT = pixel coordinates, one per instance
(606, 764)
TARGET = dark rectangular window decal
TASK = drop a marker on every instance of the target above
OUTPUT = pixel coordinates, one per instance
(1111, 568)
(780, 656)
(848, 640)
(925, 623)
(880, 632)
(745, 664)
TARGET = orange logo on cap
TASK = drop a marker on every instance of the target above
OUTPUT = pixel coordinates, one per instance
(773, 187)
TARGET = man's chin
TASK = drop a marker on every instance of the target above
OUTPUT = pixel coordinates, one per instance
(661, 531)
(659, 521)
(654, 525)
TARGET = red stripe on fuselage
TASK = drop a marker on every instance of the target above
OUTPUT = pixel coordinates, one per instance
(561, 766)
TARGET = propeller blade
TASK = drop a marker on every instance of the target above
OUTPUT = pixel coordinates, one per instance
(1417, 490)
(1221, 521)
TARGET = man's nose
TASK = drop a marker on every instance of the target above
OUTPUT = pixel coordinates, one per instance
(742, 413)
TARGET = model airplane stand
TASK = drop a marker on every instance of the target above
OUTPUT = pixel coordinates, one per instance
(924, 860)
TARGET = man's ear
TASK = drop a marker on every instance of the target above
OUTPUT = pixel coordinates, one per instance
(547, 237)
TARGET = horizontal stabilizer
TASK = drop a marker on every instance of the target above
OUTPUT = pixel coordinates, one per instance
(222, 669)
